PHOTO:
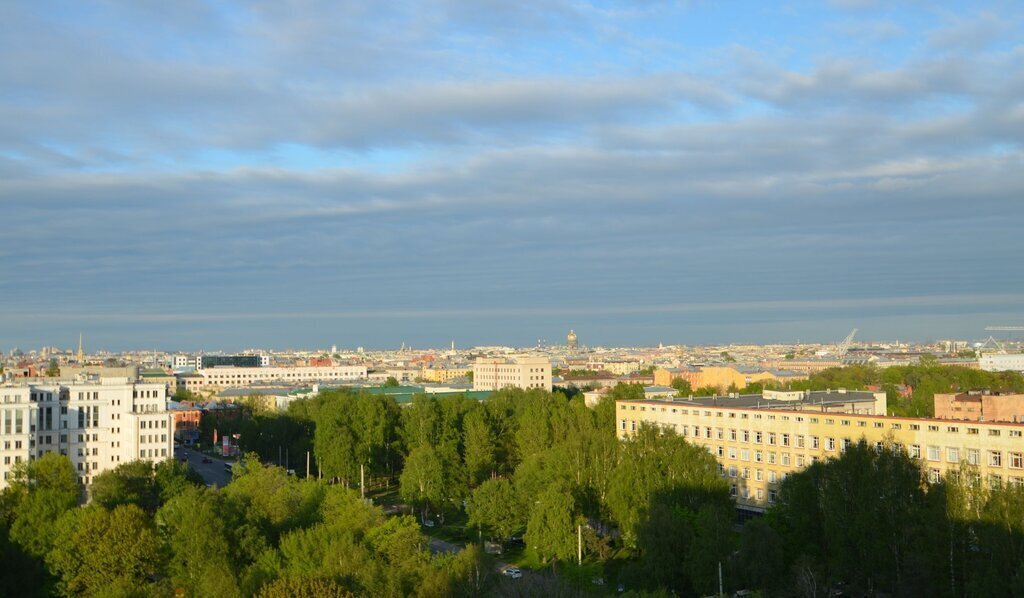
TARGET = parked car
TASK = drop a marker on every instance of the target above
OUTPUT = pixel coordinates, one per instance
(512, 572)
(429, 523)
(207, 460)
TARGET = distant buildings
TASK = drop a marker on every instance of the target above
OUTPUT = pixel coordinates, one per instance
(227, 377)
(723, 377)
(759, 440)
(571, 341)
(495, 373)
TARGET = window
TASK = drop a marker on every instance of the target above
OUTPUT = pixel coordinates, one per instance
(830, 444)
(732, 435)
(746, 436)
(772, 477)
(972, 456)
(757, 437)
(915, 451)
(799, 442)
(771, 457)
(933, 453)
(759, 474)
(745, 454)
(785, 440)
(732, 452)
(995, 459)
(1016, 460)
(772, 495)
(814, 442)
(934, 476)
(799, 460)
(732, 471)
(785, 458)
(846, 443)
(758, 456)
(771, 438)
(952, 454)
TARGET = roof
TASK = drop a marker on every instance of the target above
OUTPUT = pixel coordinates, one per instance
(758, 401)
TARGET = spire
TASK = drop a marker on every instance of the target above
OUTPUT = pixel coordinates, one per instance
(81, 355)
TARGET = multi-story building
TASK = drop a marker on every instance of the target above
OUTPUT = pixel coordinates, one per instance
(980, 405)
(98, 423)
(759, 440)
(227, 377)
(1000, 362)
(495, 373)
(444, 374)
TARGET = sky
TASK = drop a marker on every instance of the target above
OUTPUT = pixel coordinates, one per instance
(300, 173)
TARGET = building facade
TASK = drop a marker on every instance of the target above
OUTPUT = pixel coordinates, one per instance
(98, 423)
(999, 362)
(757, 447)
(516, 372)
(227, 377)
(980, 406)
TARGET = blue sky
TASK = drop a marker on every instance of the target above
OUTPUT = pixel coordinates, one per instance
(301, 173)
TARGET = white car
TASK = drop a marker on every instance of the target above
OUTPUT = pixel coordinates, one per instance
(512, 572)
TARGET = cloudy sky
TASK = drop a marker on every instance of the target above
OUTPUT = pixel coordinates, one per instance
(284, 173)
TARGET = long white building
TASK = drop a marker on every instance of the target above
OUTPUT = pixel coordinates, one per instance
(230, 377)
(997, 362)
(516, 372)
(98, 423)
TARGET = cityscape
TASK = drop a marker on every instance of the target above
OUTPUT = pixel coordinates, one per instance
(551, 298)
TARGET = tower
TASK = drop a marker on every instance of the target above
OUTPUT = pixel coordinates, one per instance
(571, 341)
(81, 354)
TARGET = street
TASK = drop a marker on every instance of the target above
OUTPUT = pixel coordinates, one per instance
(212, 473)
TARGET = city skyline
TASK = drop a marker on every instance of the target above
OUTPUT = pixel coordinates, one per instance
(232, 175)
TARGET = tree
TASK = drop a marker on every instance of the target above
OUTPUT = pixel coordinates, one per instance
(551, 530)
(478, 443)
(41, 491)
(422, 479)
(493, 507)
(99, 552)
(52, 369)
(391, 382)
(197, 541)
(128, 483)
(759, 558)
(303, 587)
(683, 386)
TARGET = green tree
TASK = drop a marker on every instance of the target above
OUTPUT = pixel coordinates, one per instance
(478, 441)
(40, 492)
(551, 530)
(391, 382)
(105, 552)
(303, 587)
(493, 507)
(683, 386)
(197, 542)
(760, 555)
(52, 369)
(422, 479)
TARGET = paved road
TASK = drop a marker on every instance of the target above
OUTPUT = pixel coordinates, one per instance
(212, 473)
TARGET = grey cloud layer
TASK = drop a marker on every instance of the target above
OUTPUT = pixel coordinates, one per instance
(449, 186)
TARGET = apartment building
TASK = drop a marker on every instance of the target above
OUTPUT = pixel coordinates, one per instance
(999, 362)
(444, 374)
(980, 405)
(759, 441)
(98, 423)
(227, 377)
(491, 373)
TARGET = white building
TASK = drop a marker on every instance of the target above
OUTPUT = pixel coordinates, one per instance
(98, 423)
(997, 362)
(228, 377)
(494, 373)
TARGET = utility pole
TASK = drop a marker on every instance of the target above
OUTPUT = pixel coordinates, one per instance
(579, 544)
(362, 481)
(307, 464)
(721, 592)
(279, 455)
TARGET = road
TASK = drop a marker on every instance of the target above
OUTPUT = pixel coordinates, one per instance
(212, 473)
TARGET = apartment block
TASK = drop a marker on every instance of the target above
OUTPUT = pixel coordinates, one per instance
(516, 372)
(759, 441)
(98, 423)
(227, 377)
(980, 405)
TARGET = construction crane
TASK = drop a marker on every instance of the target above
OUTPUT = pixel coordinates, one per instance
(843, 347)
(1006, 328)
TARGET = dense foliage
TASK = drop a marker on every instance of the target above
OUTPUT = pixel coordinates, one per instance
(652, 512)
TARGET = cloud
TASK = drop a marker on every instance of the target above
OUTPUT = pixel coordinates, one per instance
(971, 33)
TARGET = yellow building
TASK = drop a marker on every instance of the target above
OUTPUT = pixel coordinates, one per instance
(444, 374)
(760, 440)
